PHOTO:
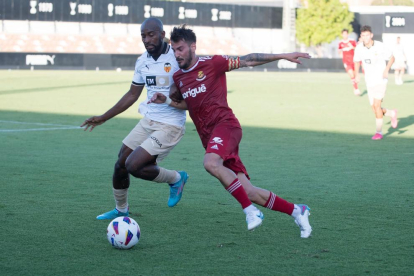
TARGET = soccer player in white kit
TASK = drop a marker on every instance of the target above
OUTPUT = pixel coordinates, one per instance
(373, 54)
(157, 133)
(399, 64)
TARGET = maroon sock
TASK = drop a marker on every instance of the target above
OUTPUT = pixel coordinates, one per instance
(354, 83)
(238, 192)
(276, 203)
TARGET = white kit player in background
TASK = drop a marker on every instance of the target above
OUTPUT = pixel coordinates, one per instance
(373, 54)
(399, 64)
(157, 133)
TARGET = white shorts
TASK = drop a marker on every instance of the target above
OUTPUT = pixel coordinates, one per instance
(155, 137)
(376, 92)
(398, 64)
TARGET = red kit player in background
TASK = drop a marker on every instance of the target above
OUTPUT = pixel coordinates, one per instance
(347, 47)
(201, 88)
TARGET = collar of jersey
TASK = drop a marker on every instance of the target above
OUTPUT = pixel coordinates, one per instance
(194, 66)
(373, 41)
(165, 50)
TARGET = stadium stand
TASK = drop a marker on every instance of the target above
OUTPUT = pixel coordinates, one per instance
(112, 38)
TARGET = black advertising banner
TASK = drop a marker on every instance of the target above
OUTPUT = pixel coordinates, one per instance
(399, 23)
(135, 11)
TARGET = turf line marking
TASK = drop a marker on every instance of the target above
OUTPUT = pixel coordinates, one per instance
(29, 123)
(38, 129)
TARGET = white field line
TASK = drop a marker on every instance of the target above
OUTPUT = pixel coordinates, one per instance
(56, 126)
(29, 123)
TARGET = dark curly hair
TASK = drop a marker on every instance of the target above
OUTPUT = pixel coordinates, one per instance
(366, 28)
(183, 33)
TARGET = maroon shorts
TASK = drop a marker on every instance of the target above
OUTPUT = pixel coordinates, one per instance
(349, 65)
(224, 141)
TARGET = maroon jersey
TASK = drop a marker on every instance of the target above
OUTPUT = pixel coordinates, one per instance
(204, 90)
(347, 51)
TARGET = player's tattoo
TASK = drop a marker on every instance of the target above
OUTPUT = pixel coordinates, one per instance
(258, 57)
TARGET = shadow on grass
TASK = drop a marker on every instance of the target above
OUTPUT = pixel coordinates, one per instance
(403, 124)
(364, 93)
(42, 89)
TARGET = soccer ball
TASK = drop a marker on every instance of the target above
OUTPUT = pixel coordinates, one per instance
(123, 233)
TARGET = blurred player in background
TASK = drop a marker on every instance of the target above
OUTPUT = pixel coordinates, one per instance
(157, 133)
(202, 89)
(346, 48)
(399, 64)
(373, 54)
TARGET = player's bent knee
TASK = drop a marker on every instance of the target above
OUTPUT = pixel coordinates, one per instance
(131, 166)
(211, 166)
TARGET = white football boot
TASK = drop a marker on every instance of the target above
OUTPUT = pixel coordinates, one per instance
(254, 219)
(302, 220)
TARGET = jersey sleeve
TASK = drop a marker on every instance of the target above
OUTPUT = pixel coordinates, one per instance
(223, 64)
(353, 42)
(357, 55)
(340, 45)
(138, 79)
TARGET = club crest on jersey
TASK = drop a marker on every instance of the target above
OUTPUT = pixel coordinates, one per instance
(200, 76)
(217, 140)
(181, 84)
(167, 67)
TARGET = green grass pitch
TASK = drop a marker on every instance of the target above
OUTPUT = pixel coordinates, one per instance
(306, 138)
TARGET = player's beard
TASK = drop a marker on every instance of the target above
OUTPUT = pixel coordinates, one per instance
(157, 48)
(187, 64)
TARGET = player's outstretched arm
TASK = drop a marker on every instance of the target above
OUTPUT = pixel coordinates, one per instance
(124, 103)
(255, 59)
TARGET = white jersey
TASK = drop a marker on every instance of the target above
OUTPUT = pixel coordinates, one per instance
(157, 75)
(374, 62)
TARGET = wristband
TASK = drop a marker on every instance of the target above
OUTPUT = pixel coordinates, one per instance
(168, 100)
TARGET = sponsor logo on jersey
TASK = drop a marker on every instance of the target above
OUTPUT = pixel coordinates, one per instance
(193, 92)
(217, 140)
(151, 80)
(215, 147)
(158, 82)
(200, 76)
(167, 67)
(156, 141)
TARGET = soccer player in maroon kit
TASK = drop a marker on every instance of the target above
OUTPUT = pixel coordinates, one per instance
(347, 47)
(201, 88)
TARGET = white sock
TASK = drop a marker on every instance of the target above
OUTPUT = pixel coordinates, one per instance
(379, 125)
(296, 211)
(249, 208)
(121, 199)
(390, 113)
(167, 176)
(177, 177)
